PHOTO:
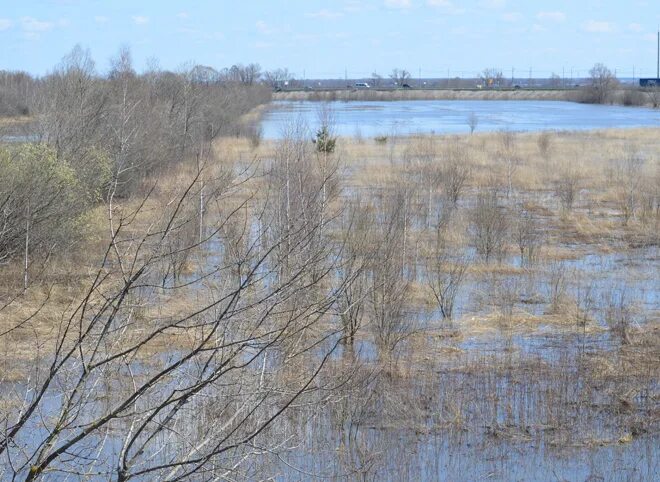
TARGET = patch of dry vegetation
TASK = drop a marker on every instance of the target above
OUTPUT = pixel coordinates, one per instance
(531, 353)
(426, 94)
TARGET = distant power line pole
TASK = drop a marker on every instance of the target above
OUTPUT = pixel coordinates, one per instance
(657, 71)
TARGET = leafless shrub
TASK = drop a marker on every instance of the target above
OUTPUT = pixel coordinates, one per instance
(633, 97)
(619, 312)
(455, 173)
(390, 287)
(653, 95)
(649, 200)
(354, 268)
(504, 295)
(490, 225)
(567, 188)
(627, 180)
(584, 300)
(445, 274)
(422, 170)
(255, 134)
(527, 236)
(557, 284)
(509, 157)
(544, 144)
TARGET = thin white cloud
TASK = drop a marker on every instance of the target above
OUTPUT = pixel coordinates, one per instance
(32, 25)
(597, 26)
(325, 14)
(551, 16)
(492, 4)
(353, 6)
(635, 27)
(512, 17)
(183, 15)
(5, 24)
(101, 19)
(446, 6)
(140, 20)
(200, 35)
(263, 27)
(398, 3)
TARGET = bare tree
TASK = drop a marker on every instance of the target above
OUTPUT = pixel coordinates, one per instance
(557, 285)
(376, 79)
(628, 178)
(527, 236)
(246, 349)
(71, 108)
(278, 78)
(455, 173)
(445, 274)
(492, 77)
(653, 95)
(509, 157)
(400, 76)
(620, 312)
(389, 287)
(567, 187)
(352, 302)
(489, 225)
(602, 83)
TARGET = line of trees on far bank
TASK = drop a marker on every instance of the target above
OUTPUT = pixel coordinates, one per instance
(96, 138)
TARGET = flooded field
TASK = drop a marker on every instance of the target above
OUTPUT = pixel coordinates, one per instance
(425, 308)
(392, 118)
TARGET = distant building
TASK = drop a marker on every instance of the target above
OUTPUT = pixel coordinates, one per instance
(650, 82)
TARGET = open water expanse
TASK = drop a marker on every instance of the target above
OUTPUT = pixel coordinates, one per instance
(388, 118)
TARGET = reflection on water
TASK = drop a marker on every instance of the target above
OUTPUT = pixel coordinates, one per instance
(376, 118)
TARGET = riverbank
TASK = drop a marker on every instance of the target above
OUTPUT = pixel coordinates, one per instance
(426, 94)
(627, 96)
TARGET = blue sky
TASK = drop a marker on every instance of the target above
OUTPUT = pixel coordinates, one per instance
(325, 38)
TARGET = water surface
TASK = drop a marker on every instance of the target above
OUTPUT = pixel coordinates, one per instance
(388, 118)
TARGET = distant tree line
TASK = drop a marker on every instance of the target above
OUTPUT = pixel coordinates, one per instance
(97, 137)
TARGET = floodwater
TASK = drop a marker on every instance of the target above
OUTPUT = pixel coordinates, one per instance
(497, 409)
(393, 118)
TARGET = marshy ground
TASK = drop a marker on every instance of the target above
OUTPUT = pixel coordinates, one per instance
(514, 333)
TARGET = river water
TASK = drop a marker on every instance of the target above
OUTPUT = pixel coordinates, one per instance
(391, 118)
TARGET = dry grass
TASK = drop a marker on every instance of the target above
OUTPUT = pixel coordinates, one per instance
(592, 226)
(18, 120)
(426, 94)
